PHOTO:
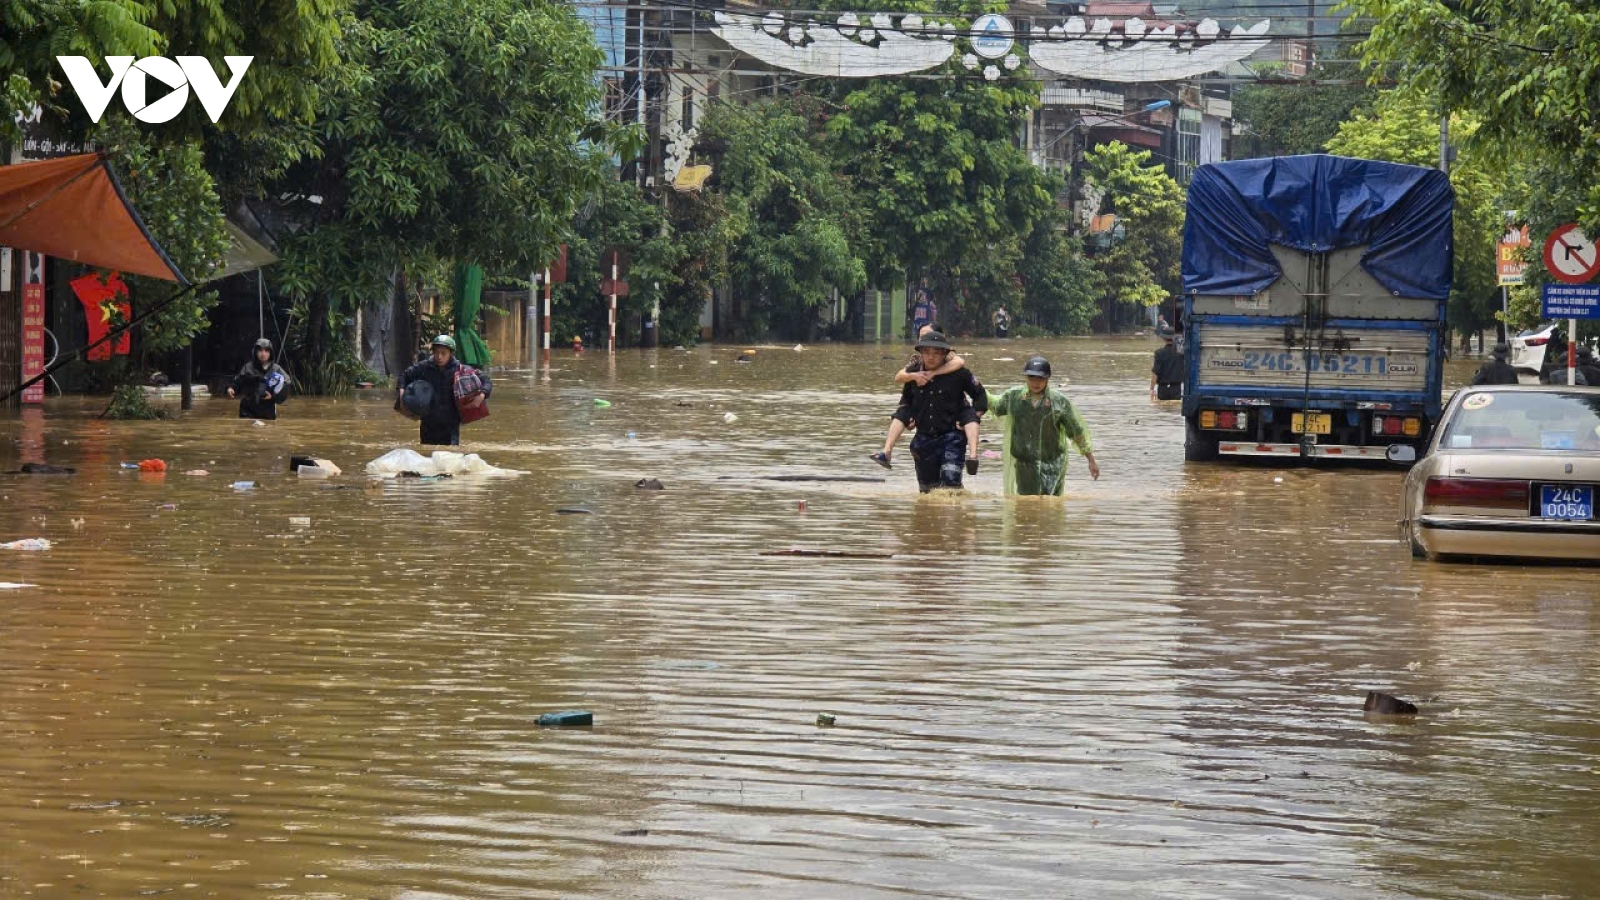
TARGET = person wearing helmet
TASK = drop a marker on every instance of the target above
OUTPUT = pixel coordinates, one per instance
(428, 393)
(1038, 423)
(260, 385)
(937, 409)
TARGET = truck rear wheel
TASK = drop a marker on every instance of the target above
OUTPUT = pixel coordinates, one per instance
(1196, 446)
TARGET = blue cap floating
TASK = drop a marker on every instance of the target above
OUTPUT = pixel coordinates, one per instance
(575, 718)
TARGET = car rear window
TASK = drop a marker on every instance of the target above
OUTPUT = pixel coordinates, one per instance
(1524, 420)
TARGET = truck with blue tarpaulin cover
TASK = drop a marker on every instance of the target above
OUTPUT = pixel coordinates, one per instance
(1314, 296)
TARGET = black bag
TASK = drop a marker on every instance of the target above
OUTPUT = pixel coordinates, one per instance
(418, 397)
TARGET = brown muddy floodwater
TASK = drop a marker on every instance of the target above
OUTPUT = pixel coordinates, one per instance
(1150, 689)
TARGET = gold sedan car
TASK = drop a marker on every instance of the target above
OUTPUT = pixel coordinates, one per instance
(1512, 471)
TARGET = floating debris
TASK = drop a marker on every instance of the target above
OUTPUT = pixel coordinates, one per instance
(1388, 705)
(572, 718)
(31, 544)
(829, 554)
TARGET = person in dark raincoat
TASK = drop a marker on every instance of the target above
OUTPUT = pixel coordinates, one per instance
(441, 418)
(1166, 373)
(260, 385)
(1497, 370)
(1038, 424)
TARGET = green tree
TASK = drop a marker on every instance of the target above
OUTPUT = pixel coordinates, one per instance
(1290, 118)
(704, 232)
(792, 218)
(623, 218)
(33, 34)
(168, 184)
(1061, 289)
(1524, 69)
(936, 162)
(1140, 267)
(451, 132)
(1404, 128)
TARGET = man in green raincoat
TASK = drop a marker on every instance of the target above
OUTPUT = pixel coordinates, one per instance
(1038, 422)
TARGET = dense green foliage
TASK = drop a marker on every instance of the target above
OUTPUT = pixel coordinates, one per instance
(170, 187)
(1140, 266)
(1526, 72)
(623, 218)
(793, 222)
(1293, 118)
(450, 132)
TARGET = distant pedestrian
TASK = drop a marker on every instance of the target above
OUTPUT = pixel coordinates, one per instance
(924, 312)
(1497, 370)
(1002, 322)
(260, 385)
(1038, 424)
(1166, 374)
(1588, 364)
(433, 399)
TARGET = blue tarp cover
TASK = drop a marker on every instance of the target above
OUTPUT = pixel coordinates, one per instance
(1318, 203)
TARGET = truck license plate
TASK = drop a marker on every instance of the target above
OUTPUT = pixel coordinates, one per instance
(1557, 501)
(1316, 423)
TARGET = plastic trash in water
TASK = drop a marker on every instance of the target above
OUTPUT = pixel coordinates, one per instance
(27, 544)
(825, 720)
(601, 404)
(243, 485)
(197, 472)
(730, 418)
(568, 719)
(129, 465)
(632, 435)
(300, 521)
(305, 471)
(799, 348)
(152, 465)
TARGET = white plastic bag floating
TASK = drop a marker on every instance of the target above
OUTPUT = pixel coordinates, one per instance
(443, 462)
(27, 544)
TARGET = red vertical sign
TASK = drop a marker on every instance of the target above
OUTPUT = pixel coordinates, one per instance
(33, 325)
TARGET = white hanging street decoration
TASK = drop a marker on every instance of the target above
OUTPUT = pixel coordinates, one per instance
(835, 51)
(1142, 54)
(859, 46)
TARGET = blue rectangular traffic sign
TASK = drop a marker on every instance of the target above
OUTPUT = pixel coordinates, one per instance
(1572, 301)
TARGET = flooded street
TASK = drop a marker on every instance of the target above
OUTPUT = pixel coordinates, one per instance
(1149, 689)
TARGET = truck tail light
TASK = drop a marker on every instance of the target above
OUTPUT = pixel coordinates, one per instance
(1394, 425)
(1208, 418)
(1490, 493)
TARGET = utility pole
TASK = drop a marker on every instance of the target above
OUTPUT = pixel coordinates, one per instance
(1444, 143)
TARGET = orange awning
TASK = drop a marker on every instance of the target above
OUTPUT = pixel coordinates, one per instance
(73, 208)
